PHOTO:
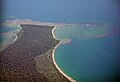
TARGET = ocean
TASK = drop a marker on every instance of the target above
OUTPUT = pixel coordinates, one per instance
(93, 53)
(88, 58)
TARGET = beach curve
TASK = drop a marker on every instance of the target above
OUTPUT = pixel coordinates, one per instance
(53, 57)
(11, 33)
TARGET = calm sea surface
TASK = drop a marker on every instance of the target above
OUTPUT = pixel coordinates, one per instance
(93, 53)
(88, 58)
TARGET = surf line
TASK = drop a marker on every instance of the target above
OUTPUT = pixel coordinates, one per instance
(53, 57)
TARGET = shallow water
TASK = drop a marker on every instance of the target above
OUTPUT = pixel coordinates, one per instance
(7, 35)
(87, 42)
(89, 58)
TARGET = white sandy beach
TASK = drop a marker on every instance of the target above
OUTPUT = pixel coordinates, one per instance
(69, 78)
(18, 22)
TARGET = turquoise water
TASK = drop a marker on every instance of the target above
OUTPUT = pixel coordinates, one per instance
(7, 35)
(89, 58)
(7, 29)
(92, 55)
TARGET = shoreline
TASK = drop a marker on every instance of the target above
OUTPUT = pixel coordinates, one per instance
(9, 43)
(16, 37)
(23, 51)
(53, 57)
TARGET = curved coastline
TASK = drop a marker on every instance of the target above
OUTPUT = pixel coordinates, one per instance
(53, 57)
(16, 37)
(69, 78)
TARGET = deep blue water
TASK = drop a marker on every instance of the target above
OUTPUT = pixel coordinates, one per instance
(91, 60)
(64, 10)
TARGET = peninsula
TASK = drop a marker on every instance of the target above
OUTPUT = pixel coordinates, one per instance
(29, 57)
